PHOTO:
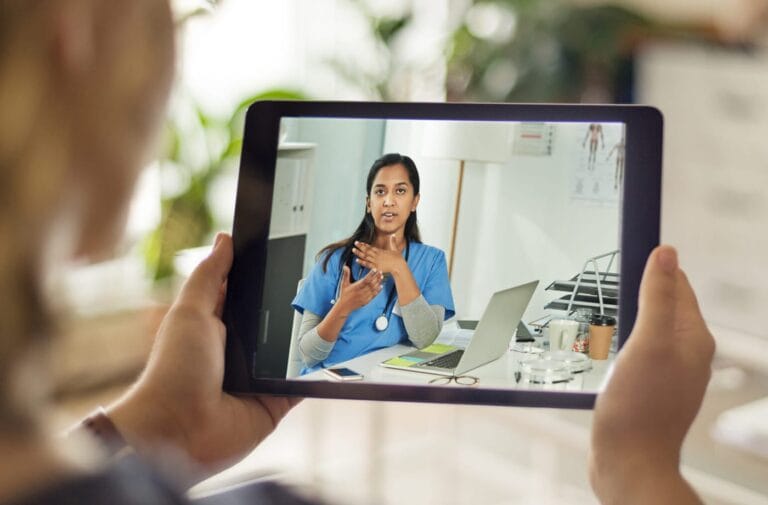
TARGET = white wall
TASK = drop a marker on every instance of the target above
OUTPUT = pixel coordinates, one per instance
(345, 150)
(519, 220)
(438, 182)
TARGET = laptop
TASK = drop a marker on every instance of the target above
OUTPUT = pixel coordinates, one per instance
(523, 334)
(489, 342)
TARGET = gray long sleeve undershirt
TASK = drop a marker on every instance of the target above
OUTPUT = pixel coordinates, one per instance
(422, 321)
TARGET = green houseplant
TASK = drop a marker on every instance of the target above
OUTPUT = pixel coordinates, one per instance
(544, 50)
(198, 148)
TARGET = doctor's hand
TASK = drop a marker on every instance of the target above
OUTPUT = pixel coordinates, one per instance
(388, 260)
(354, 295)
(178, 402)
(654, 393)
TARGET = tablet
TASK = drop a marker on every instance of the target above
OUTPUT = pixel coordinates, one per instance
(459, 253)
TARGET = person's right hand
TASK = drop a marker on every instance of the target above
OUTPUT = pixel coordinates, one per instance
(354, 295)
(178, 402)
(654, 393)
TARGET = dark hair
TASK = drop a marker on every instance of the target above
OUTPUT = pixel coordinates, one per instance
(365, 232)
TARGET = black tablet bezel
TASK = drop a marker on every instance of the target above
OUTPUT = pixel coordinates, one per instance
(640, 218)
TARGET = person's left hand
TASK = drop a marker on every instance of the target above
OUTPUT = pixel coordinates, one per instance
(384, 260)
(178, 400)
(654, 393)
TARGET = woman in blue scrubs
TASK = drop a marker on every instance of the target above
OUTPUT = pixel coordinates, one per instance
(381, 286)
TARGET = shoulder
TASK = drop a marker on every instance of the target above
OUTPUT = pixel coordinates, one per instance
(334, 255)
(431, 258)
(132, 482)
(328, 261)
(427, 251)
(127, 482)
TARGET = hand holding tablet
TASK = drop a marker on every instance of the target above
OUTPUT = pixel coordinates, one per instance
(655, 392)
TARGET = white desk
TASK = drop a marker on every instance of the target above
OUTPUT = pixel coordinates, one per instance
(499, 374)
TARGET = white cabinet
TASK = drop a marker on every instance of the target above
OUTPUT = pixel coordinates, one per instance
(292, 191)
(715, 187)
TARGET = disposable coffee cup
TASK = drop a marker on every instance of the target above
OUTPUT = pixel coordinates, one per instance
(601, 329)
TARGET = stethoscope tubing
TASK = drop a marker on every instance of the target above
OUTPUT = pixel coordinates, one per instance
(390, 297)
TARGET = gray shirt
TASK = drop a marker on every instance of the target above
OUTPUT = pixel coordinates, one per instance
(132, 482)
(422, 321)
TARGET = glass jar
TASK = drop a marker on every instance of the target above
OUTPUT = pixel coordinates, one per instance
(542, 371)
(583, 316)
(576, 361)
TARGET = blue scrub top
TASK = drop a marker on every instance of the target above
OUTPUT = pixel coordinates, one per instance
(359, 336)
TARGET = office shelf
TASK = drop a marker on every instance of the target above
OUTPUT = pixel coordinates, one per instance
(593, 288)
(581, 302)
(609, 284)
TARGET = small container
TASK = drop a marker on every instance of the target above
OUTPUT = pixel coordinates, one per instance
(576, 361)
(583, 316)
(526, 351)
(601, 329)
(545, 371)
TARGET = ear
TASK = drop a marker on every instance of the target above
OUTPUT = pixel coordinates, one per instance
(73, 40)
(415, 203)
(367, 205)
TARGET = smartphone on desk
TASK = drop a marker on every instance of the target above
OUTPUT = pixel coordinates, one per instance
(343, 374)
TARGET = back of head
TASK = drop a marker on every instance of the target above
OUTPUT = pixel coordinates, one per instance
(23, 316)
(82, 89)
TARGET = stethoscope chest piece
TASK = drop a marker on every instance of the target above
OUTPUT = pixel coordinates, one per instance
(381, 322)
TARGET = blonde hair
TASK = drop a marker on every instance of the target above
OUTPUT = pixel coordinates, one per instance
(26, 194)
(68, 141)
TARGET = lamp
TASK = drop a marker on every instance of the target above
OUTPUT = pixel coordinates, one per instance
(479, 141)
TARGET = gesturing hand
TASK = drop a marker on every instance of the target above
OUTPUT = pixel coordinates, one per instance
(178, 400)
(354, 295)
(654, 393)
(385, 260)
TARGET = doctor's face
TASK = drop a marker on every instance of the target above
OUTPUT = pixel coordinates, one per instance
(392, 199)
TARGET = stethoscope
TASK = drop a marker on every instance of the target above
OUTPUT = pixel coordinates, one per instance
(382, 322)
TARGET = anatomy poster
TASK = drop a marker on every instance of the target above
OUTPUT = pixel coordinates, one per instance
(597, 154)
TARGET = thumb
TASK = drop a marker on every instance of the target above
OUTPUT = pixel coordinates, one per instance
(658, 298)
(392, 242)
(203, 288)
(344, 276)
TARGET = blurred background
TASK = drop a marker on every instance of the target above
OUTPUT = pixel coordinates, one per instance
(704, 63)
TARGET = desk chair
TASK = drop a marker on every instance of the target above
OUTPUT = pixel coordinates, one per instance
(294, 358)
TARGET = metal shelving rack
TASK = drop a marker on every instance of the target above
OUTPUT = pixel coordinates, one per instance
(593, 288)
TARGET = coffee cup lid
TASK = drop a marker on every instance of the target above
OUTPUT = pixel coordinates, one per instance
(602, 320)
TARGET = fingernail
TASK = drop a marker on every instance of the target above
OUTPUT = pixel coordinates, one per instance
(217, 240)
(667, 259)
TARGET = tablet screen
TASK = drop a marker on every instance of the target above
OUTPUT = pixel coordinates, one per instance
(442, 253)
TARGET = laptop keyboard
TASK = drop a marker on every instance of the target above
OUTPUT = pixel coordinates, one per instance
(448, 361)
